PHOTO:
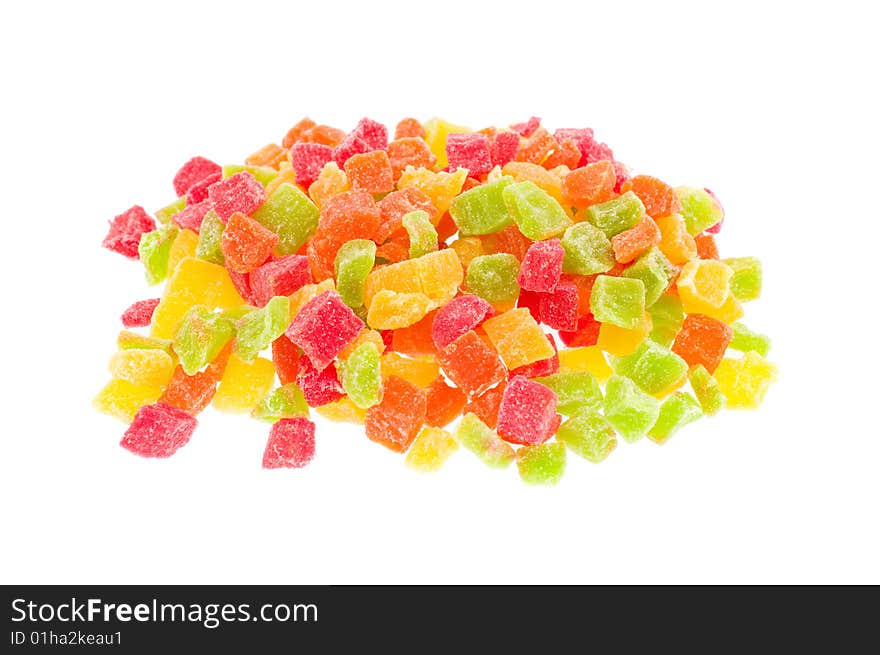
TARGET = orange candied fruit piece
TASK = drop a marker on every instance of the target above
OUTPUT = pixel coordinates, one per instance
(409, 151)
(486, 405)
(631, 243)
(590, 184)
(325, 135)
(270, 155)
(567, 154)
(706, 246)
(444, 403)
(658, 197)
(396, 205)
(522, 171)
(349, 215)
(409, 127)
(370, 172)
(675, 242)
(417, 339)
(285, 174)
(537, 147)
(296, 132)
(331, 182)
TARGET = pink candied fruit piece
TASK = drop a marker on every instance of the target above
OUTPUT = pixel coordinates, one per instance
(158, 430)
(318, 387)
(527, 129)
(191, 216)
(458, 316)
(193, 172)
(527, 414)
(586, 333)
(291, 444)
(126, 229)
(622, 175)
(323, 327)
(198, 192)
(237, 193)
(470, 151)
(139, 314)
(541, 266)
(504, 148)
(559, 308)
(307, 160)
(279, 278)
(366, 136)
(542, 367)
(582, 136)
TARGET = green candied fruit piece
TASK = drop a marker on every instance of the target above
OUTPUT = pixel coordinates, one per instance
(706, 390)
(587, 250)
(493, 277)
(747, 275)
(655, 272)
(284, 402)
(628, 409)
(652, 367)
(617, 215)
(536, 213)
(589, 435)
(129, 340)
(677, 410)
(362, 377)
(263, 174)
(209, 246)
(482, 210)
(164, 215)
(744, 340)
(480, 439)
(618, 300)
(154, 249)
(354, 261)
(575, 391)
(541, 464)
(260, 327)
(422, 234)
(667, 316)
(290, 214)
(699, 208)
(200, 337)
(237, 313)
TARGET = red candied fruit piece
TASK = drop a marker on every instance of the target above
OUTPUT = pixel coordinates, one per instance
(370, 172)
(286, 357)
(318, 387)
(242, 284)
(531, 300)
(408, 127)
(238, 193)
(191, 216)
(586, 332)
(631, 243)
(472, 364)
(458, 316)
(706, 246)
(291, 444)
(409, 151)
(279, 278)
(528, 128)
(139, 314)
(307, 160)
(444, 403)
(198, 192)
(541, 267)
(527, 414)
(397, 419)
(346, 216)
(193, 172)
(367, 135)
(158, 430)
(504, 147)
(470, 151)
(702, 340)
(416, 339)
(590, 184)
(559, 308)
(323, 327)
(486, 405)
(246, 244)
(658, 197)
(126, 229)
(295, 133)
(542, 367)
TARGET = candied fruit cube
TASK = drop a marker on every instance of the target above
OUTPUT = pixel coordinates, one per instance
(397, 419)
(541, 464)
(158, 430)
(527, 414)
(588, 434)
(628, 409)
(745, 381)
(677, 410)
(291, 444)
(618, 300)
(430, 449)
(323, 327)
(126, 230)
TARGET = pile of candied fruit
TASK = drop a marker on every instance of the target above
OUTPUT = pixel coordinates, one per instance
(513, 291)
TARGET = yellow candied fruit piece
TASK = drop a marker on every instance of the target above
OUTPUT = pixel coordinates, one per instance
(147, 367)
(285, 175)
(585, 358)
(704, 282)
(184, 246)
(440, 275)
(517, 338)
(420, 371)
(305, 293)
(620, 341)
(194, 282)
(522, 171)
(366, 336)
(331, 181)
(675, 242)
(744, 381)
(122, 399)
(243, 384)
(440, 187)
(494, 174)
(342, 411)
(467, 248)
(390, 310)
(436, 131)
(430, 450)
(729, 312)
(402, 277)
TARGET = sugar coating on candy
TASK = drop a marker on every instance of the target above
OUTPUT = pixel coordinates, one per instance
(243, 384)
(126, 229)
(617, 300)
(585, 358)
(443, 403)
(471, 364)
(588, 434)
(192, 393)
(307, 160)
(477, 437)
(541, 268)
(390, 310)
(631, 243)
(706, 390)
(246, 244)
(285, 357)
(702, 340)
(286, 401)
(493, 278)
(559, 308)
(258, 329)
(589, 185)
(420, 371)
(138, 314)
(458, 316)
(745, 339)
(527, 414)
(323, 327)
(239, 193)
(441, 187)
(504, 147)
(422, 234)
(485, 406)
(280, 277)
(291, 444)
(409, 151)
(482, 210)
(146, 366)
(677, 410)
(121, 399)
(361, 377)
(667, 316)
(537, 215)
(397, 419)
(470, 151)
(430, 449)
(541, 464)
(158, 430)
(370, 172)
(699, 208)
(575, 391)
(154, 251)
(653, 367)
(353, 264)
(200, 337)
(655, 272)
(518, 338)
(318, 387)
(126, 340)
(291, 215)
(628, 409)
(541, 367)
(192, 172)
(349, 215)
(587, 250)
(745, 283)
(675, 242)
(396, 205)
(416, 339)
(745, 381)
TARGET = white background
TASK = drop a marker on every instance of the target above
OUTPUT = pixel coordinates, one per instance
(771, 105)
